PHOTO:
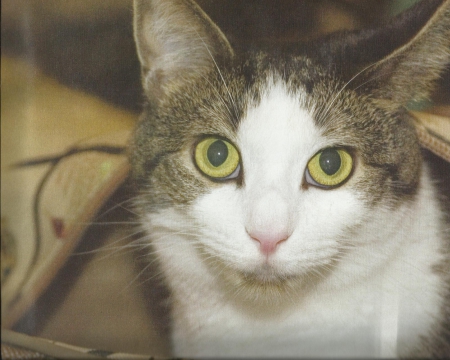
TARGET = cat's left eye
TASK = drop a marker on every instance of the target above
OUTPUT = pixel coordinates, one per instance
(217, 158)
(329, 168)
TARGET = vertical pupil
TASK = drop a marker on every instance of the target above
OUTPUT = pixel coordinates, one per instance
(217, 153)
(330, 161)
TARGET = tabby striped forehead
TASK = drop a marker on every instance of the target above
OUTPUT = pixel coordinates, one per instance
(279, 86)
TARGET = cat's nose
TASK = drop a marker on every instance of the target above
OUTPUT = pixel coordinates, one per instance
(269, 241)
(269, 220)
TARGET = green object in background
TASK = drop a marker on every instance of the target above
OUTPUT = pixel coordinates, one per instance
(397, 6)
(421, 105)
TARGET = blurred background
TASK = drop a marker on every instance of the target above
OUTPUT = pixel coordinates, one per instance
(88, 45)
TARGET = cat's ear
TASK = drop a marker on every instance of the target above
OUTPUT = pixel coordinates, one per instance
(399, 61)
(175, 41)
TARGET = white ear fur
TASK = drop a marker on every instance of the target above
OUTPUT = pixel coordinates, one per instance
(175, 40)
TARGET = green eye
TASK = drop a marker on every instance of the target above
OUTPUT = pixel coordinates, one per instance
(217, 158)
(330, 167)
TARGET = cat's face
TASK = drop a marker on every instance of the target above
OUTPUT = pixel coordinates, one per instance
(266, 212)
(270, 171)
(272, 224)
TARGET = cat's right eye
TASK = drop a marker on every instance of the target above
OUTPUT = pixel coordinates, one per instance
(329, 168)
(217, 158)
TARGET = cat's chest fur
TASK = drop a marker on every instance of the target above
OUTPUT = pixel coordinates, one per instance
(369, 319)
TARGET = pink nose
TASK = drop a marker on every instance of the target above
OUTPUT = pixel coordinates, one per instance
(268, 241)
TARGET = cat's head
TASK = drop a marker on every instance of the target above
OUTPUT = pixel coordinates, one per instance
(271, 167)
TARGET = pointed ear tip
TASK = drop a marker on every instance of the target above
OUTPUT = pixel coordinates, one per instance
(163, 43)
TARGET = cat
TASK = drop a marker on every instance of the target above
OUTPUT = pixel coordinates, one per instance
(283, 190)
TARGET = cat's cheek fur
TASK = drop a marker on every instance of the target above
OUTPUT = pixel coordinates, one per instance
(224, 215)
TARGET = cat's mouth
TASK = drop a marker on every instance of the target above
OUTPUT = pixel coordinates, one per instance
(261, 277)
(266, 282)
(266, 274)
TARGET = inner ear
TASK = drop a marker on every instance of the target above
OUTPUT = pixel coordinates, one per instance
(175, 41)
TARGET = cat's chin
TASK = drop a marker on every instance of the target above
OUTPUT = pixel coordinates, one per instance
(263, 283)
(266, 275)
